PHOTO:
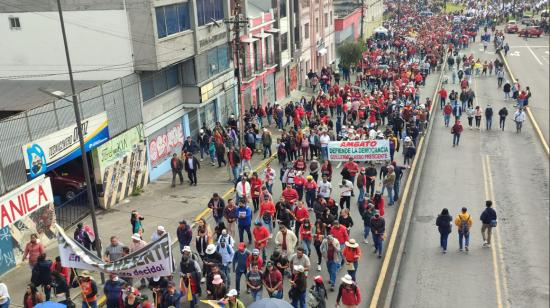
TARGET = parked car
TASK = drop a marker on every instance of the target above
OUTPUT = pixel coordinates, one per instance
(526, 20)
(511, 27)
(67, 181)
(531, 31)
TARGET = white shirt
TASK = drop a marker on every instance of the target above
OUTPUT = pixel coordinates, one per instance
(269, 175)
(324, 189)
(156, 236)
(346, 189)
(325, 139)
(519, 116)
(4, 293)
(243, 190)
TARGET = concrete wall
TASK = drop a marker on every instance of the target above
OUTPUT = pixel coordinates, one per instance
(97, 40)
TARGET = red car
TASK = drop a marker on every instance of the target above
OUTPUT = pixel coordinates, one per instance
(67, 181)
(511, 27)
(531, 32)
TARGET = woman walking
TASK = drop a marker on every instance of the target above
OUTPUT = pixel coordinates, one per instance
(298, 287)
(444, 223)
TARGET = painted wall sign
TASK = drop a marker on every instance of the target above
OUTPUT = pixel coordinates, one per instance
(164, 142)
(113, 150)
(56, 149)
(25, 200)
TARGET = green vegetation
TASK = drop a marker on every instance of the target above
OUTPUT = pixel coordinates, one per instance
(350, 53)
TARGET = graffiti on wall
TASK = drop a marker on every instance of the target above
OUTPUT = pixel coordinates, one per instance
(293, 79)
(121, 178)
(165, 142)
(280, 87)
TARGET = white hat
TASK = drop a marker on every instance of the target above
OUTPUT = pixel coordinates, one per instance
(352, 243)
(224, 232)
(299, 268)
(210, 249)
(160, 228)
(186, 249)
(156, 278)
(407, 138)
(136, 237)
(347, 279)
(232, 292)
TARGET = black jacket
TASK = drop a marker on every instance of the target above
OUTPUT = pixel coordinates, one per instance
(196, 164)
(503, 112)
(443, 223)
(488, 215)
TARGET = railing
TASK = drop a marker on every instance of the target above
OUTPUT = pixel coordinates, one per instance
(72, 211)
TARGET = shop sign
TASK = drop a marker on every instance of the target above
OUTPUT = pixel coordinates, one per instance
(56, 149)
(165, 142)
(113, 150)
(360, 150)
(25, 200)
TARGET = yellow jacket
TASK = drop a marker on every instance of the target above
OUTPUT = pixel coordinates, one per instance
(463, 217)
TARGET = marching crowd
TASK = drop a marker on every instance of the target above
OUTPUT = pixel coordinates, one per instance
(267, 245)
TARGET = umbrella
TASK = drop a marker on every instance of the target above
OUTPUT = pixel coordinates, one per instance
(50, 305)
(270, 303)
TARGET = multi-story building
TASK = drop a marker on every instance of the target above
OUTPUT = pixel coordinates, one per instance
(349, 13)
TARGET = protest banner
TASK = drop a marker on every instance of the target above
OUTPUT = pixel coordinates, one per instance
(360, 150)
(155, 259)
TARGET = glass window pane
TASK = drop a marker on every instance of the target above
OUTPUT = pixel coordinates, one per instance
(219, 10)
(172, 79)
(159, 82)
(183, 16)
(213, 66)
(188, 72)
(201, 7)
(161, 27)
(147, 91)
(171, 19)
(222, 58)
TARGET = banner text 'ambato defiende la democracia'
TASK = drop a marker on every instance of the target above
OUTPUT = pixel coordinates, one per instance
(360, 150)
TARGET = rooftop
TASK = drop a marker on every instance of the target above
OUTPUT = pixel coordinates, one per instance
(343, 8)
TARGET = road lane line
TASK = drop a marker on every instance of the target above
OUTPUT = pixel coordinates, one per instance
(534, 55)
(519, 46)
(529, 113)
(493, 251)
(499, 244)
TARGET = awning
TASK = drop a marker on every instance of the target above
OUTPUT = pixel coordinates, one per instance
(322, 51)
(272, 30)
(262, 35)
(249, 40)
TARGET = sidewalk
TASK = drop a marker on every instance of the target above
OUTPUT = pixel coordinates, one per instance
(159, 204)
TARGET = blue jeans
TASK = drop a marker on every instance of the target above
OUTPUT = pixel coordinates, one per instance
(6, 304)
(193, 302)
(89, 305)
(267, 149)
(378, 243)
(300, 302)
(204, 150)
(310, 197)
(446, 119)
(333, 268)
(366, 231)
(238, 274)
(226, 269)
(306, 244)
(256, 295)
(466, 241)
(390, 194)
(235, 171)
(443, 240)
(269, 188)
(269, 119)
(396, 189)
(246, 229)
(456, 139)
(361, 196)
(488, 122)
(352, 273)
(277, 294)
(324, 152)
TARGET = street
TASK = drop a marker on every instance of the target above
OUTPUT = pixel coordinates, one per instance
(509, 168)
(529, 62)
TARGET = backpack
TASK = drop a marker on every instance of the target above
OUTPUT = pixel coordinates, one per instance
(464, 228)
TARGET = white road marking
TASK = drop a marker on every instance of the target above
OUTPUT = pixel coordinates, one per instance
(523, 46)
(534, 55)
(515, 53)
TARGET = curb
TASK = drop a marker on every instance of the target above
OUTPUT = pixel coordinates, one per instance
(529, 113)
(385, 285)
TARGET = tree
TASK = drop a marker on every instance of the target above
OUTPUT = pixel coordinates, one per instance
(351, 53)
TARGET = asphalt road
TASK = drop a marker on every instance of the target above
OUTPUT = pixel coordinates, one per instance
(513, 171)
(529, 62)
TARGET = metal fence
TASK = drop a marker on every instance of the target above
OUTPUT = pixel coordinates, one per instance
(120, 98)
(72, 211)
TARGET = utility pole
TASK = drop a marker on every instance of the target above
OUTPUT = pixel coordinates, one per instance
(237, 21)
(362, 19)
(80, 137)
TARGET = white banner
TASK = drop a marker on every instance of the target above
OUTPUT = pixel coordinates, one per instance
(360, 150)
(155, 259)
(24, 200)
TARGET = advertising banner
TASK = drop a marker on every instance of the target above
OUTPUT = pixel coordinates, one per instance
(25, 200)
(113, 150)
(56, 149)
(153, 260)
(164, 142)
(360, 150)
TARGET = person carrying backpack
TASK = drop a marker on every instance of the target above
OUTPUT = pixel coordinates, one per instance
(463, 221)
(489, 221)
(348, 293)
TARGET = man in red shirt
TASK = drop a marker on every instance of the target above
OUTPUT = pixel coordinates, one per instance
(261, 236)
(246, 155)
(290, 194)
(301, 213)
(352, 169)
(339, 232)
(267, 212)
(442, 97)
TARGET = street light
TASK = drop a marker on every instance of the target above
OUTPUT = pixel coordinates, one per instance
(61, 95)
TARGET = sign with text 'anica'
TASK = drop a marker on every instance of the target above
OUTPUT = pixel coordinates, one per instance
(56, 149)
(360, 150)
(24, 200)
(155, 259)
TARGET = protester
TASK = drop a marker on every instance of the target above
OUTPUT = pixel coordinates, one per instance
(489, 221)
(444, 223)
(463, 221)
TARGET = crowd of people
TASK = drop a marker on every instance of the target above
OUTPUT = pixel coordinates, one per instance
(264, 245)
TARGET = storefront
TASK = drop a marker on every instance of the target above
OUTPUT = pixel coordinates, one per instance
(26, 210)
(121, 164)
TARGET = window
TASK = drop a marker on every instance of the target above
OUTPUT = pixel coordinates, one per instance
(326, 20)
(306, 31)
(316, 25)
(282, 8)
(188, 72)
(14, 23)
(172, 19)
(212, 62)
(155, 83)
(284, 41)
(209, 11)
(331, 19)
